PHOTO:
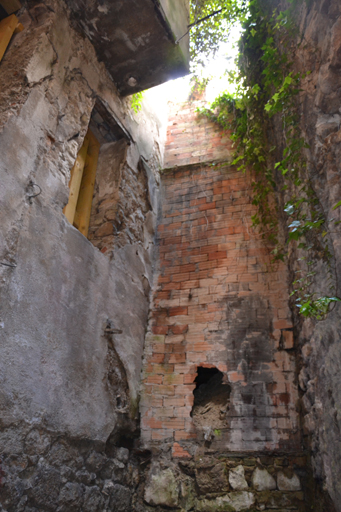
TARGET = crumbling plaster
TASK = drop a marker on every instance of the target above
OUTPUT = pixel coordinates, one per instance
(61, 292)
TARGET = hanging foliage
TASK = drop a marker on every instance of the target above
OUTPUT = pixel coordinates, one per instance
(207, 35)
(267, 89)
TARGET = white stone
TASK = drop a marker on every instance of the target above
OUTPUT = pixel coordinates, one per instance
(162, 489)
(240, 500)
(288, 484)
(40, 65)
(237, 479)
(262, 480)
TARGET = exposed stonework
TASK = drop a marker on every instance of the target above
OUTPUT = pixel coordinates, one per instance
(202, 485)
(121, 200)
(42, 470)
(318, 52)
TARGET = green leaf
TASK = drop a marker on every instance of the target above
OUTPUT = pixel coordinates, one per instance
(287, 80)
(336, 205)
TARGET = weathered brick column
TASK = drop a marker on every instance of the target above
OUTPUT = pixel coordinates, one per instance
(218, 303)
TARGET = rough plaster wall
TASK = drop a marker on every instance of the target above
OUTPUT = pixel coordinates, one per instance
(72, 321)
(319, 342)
(63, 293)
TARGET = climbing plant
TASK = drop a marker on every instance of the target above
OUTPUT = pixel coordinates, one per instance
(267, 90)
(136, 101)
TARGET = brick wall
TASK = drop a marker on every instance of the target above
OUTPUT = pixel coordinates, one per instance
(192, 139)
(218, 303)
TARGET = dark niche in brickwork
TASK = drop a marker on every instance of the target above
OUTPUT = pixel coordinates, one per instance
(211, 401)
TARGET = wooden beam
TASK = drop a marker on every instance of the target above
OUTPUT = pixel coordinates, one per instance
(7, 28)
(76, 180)
(83, 210)
(10, 6)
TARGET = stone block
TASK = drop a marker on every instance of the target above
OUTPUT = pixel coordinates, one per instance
(122, 454)
(237, 479)
(106, 229)
(232, 502)
(288, 483)
(278, 500)
(262, 480)
(187, 494)
(162, 489)
(212, 479)
(120, 498)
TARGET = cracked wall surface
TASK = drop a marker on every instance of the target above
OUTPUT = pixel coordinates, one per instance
(72, 318)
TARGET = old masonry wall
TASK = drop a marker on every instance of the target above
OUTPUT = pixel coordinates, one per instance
(72, 317)
(219, 396)
(316, 49)
(219, 409)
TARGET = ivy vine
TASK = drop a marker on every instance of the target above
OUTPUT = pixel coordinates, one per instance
(267, 87)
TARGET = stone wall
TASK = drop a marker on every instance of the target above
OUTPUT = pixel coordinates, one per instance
(232, 482)
(317, 49)
(122, 208)
(42, 470)
(72, 320)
